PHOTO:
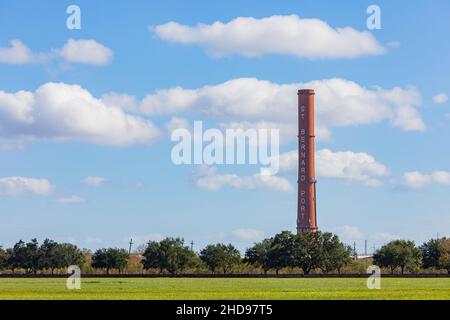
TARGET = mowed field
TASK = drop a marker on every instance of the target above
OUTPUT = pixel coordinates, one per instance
(248, 288)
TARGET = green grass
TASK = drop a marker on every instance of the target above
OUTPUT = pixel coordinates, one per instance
(249, 288)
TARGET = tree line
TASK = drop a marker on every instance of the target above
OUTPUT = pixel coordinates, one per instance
(321, 252)
(33, 257)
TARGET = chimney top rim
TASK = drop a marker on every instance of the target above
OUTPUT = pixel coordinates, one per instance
(306, 91)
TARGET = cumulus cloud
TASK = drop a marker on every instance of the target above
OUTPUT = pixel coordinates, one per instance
(82, 51)
(177, 123)
(384, 237)
(17, 53)
(418, 181)
(350, 232)
(63, 112)
(440, 98)
(351, 166)
(209, 178)
(92, 240)
(347, 165)
(120, 100)
(250, 101)
(289, 35)
(94, 181)
(143, 239)
(248, 234)
(169, 101)
(85, 52)
(14, 186)
(73, 199)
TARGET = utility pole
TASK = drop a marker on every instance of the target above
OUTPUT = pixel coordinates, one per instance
(130, 243)
(192, 245)
(365, 248)
(354, 250)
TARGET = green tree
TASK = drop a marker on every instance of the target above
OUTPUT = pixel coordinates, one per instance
(169, 254)
(153, 258)
(307, 251)
(431, 253)
(444, 255)
(220, 256)
(258, 255)
(49, 258)
(401, 254)
(110, 258)
(333, 254)
(176, 256)
(33, 256)
(3, 263)
(281, 252)
(69, 255)
(16, 256)
(24, 256)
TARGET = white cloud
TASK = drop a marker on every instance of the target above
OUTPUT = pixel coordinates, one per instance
(290, 35)
(94, 181)
(169, 101)
(82, 51)
(177, 123)
(73, 199)
(17, 53)
(144, 239)
(348, 165)
(440, 98)
(286, 130)
(404, 108)
(120, 100)
(66, 240)
(415, 180)
(92, 240)
(85, 52)
(63, 112)
(248, 234)
(442, 177)
(350, 232)
(14, 186)
(208, 178)
(418, 181)
(384, 237)
(250, 101)
(17, 106)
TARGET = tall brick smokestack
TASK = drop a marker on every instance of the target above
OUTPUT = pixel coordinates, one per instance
(306, 206)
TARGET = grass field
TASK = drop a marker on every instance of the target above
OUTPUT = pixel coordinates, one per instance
(197, 289)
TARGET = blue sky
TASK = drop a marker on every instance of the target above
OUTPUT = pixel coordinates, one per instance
(142, 194)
